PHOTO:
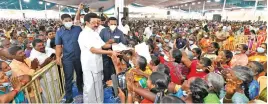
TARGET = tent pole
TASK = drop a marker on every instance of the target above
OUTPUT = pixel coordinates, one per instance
(23, 15)
(45, 9)
(223, 8)
(255, 8)
(190, 11)
(59, 10)
(119, 5)
(203, 11)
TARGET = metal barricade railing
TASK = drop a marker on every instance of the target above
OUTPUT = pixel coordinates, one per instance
(46, 86)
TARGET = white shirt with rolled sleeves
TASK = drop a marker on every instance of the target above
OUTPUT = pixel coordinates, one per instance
(92, 65)
(41, 57)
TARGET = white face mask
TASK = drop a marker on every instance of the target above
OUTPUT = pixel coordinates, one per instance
(237, 52)
(82, 20)
(166, 40)
(5, 84)
(8, 73)
(206, 36)
(260, 50)
(183, 37)
(112, 27)
(191, 42)
(159, 45)
(68, 24)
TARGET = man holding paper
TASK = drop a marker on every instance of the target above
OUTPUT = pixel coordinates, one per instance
(91, 46)
(111, 35)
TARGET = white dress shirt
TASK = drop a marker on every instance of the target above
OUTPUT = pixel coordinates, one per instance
(125, 29)
(148, 32)
(92, 65)
(41, 57)
(89, 38)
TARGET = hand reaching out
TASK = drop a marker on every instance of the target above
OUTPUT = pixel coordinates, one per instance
(34, 64)
(110, 41)
(16, 84)
(211, 68)
(130, 81)
(81, 6)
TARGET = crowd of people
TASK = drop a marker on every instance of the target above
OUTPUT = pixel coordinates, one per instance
(191, 61)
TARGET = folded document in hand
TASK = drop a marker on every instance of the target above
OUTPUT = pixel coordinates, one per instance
(119, 47)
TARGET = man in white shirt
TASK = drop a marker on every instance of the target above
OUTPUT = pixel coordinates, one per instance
(124, 27)
(148, 31)
(43, 55)
(91, 46)
(51, 35)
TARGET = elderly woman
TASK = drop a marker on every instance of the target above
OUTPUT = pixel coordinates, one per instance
(5, 85)
(254, 87)
(237, 86)
(193, 90)
(215, 83)
(7, 97)
(240, 57)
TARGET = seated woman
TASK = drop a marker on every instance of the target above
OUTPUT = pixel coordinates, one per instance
(262, 35)
(215, 83)
(229, 42)
(199, 68)
(7, 97)
(237, 86)
(5, 74)
(240, 57)
(205, 43)
(140, 69)
(260, 56)
(223, 61)
(212, 51)
(157, 83)
(178, 71)
(197, 53)
(193, 90)
(254, 87)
